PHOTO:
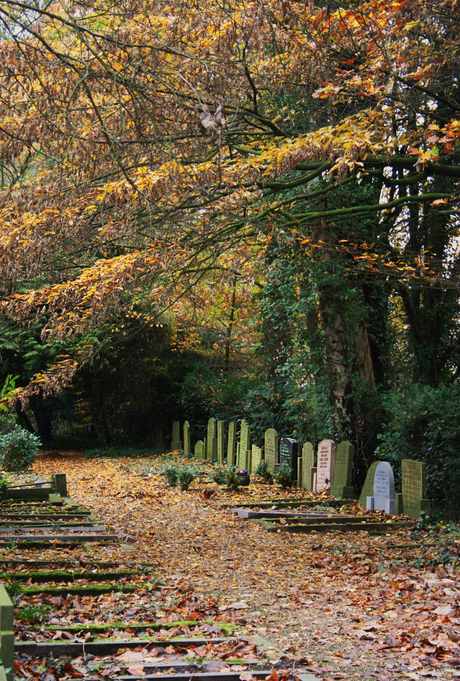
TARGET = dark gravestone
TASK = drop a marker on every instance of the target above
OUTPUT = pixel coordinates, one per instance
(288, 454)
(159, 440)
(59, 483)
(176, 442)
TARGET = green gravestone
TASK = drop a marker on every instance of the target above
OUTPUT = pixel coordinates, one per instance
(59, 483)
(414, 499)
(176, 442)
(231, 444)
(199, 450)
(299, 471)
(220, 442)
(342, 487)
(211, 446)
(308, 464)
(368, 487)
(271, 449)
(6, 633)
(245, 445)
(256, 458)
(187, 440)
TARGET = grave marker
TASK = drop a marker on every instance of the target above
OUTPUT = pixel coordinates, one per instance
(199, 450)
(176, 442)
(308, 467)
(220, 441)
(368, 487)
(256, 458)
(325, 465)
(187, 440)
(211, 446)
(231, 444)
(414, 499)
(383, 498)
(245, 446)
(342, 487)
(271, 448)
(159, 441)
(288, 454)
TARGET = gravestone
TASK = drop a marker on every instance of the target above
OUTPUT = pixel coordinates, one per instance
(326, 465)
(256, 458)
(59, 483)
(342, 487)
(238, 455)
(211, 446)
(383, 498)
(245, 445)
(220, 441)
(159, 441)
(176, 442)
(271, 448)
(187, 440)
(231, 444)
(308, 467)
(199, 450)
(368, 487)
(414, 499)
(288, 454)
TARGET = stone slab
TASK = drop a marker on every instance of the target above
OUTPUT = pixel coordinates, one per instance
(271, 448)
(325, 465)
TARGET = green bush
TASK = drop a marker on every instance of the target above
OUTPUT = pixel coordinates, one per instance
(18, 449)
(264, 471)
(284, 476)
(423, 423)
(170, 474)
(220, 476)
(185, 477)
(233, 480)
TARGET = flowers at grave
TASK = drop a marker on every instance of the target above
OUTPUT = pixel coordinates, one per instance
(243, 472)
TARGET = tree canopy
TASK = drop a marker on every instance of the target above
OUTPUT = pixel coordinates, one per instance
(301, 154)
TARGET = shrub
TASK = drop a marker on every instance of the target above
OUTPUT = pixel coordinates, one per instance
(423, 423)
(185, 477)
(220, 476)
(170, 474)
(263, 470)
(18, 449)
(284, 476)
(233, 480)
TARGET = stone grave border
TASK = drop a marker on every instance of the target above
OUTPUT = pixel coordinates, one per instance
(40, 513)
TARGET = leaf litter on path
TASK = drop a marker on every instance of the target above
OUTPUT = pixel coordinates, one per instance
(349, 606)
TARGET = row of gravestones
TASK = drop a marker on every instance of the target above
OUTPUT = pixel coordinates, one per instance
(333, 470)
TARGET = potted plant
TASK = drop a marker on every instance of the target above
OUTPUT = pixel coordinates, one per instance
(243, 476)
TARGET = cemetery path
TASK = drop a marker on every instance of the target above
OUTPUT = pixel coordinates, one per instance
(349, 606)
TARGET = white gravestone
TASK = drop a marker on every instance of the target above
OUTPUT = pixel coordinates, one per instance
(325, 465)
(384, 490)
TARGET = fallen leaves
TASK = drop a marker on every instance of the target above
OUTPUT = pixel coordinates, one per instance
(355, 606)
